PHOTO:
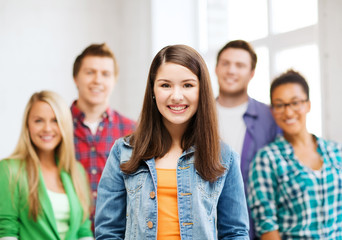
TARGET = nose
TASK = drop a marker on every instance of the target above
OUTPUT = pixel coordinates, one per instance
(288, 110)
(177, 94)
(97, 77)
(47, 126)
(231, 68)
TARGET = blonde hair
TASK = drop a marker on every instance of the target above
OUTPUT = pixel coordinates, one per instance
(65, 153)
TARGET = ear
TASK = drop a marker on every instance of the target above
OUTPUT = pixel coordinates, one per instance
(75, 81)
(271, 109)
(308, 105)
(115, 81)
(252, 74)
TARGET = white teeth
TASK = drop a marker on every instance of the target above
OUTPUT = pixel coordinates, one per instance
(46, 137)
(230, 80)
(290, 121)
(95, 90)
(178, 108)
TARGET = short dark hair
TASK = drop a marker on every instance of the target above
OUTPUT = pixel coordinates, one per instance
(290, 76)
(97, 50)
(241, 44)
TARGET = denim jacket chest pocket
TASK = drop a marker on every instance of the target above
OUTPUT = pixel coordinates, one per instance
(210, 190)
(135, 181)
(208, 193)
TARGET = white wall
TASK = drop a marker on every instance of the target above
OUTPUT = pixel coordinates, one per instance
(330, 32)
(133, 53)
(40, 40)
(174, 22)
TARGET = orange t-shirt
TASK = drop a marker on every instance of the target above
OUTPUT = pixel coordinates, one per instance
(168, 221)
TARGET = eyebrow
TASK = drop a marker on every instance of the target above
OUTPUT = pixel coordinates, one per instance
(232, 61)
(185, 80)
(95, 69)
(294, 98)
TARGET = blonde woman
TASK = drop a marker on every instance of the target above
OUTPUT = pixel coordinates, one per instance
(45, 191)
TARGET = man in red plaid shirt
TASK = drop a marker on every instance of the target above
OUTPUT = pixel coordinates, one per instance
(96, 126)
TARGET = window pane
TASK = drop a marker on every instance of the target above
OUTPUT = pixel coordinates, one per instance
(247, 19)
(305, 60)
(259, 86)
(288, 15)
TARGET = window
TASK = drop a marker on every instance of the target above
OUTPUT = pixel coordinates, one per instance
(286, 17)
(247, 22)
(283, 36)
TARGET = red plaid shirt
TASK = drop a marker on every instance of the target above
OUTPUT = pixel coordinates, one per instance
(92, 150)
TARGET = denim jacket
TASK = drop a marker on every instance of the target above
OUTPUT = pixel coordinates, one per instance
(127, 208)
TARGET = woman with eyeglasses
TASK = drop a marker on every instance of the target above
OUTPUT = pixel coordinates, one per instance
(295, 183)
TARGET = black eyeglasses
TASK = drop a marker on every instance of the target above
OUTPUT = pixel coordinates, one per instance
(294, 105)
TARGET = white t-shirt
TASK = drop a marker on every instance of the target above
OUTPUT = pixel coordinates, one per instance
(231, 125)
(92, 126)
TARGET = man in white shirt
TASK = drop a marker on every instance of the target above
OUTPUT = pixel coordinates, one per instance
(245, 124)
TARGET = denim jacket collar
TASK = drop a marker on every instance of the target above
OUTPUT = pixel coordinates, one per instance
(187, 152)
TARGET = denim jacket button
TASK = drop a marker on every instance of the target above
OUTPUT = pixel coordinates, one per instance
(152, 195)
(150, 224)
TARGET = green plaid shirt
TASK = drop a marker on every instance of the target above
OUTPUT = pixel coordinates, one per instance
(297, 201)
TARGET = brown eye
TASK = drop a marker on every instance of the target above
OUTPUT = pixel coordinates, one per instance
(106, 74)
(278, 105)
(295, 103)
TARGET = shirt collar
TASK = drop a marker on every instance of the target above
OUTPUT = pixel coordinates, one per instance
(251, 108)
(78, 114)
(289, 149)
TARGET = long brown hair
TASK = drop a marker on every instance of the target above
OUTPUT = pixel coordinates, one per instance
(25, 151)
(151, 138)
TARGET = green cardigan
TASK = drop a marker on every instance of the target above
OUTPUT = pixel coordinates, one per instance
(14, 211)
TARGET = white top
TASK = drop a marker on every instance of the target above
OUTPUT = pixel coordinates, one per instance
(92, 126)
(231, 125)
(61, 209)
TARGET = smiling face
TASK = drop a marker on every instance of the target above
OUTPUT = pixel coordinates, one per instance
(43, 128)
(176, 91)
(290, 121)
(234, 71)
(95, 80)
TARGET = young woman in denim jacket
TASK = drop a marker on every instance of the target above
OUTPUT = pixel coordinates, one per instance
(172, 178)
